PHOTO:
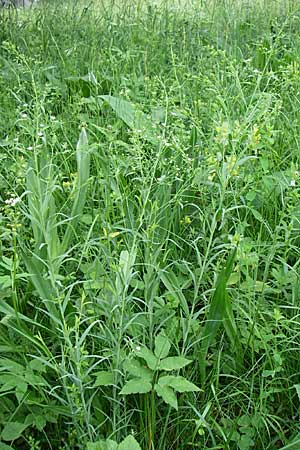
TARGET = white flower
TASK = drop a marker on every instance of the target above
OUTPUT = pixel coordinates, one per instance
(29, 148)
(293, 183)
(12, 201)
(138, 348)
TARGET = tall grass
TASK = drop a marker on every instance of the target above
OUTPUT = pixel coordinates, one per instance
(149, 218)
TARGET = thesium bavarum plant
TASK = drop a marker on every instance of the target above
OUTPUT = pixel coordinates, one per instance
(149, 222)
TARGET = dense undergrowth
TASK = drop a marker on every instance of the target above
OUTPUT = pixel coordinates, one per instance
(150, 219)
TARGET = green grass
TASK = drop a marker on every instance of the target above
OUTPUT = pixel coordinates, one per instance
(149, 224)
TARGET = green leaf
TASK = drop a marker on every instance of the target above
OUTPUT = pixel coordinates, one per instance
(292, 444)
(135, 368)
(172, 284)
(136, 386)
(133, 117)
(129, 443)
(102, 445)
(167, 394)
(148, 356)
(219, 311)
(5, 447)
(179, 384)
(162, 346)
(12, 431)
(104, 378)
(83, 169)
(174, 363)
(21, 390)
(297, 387)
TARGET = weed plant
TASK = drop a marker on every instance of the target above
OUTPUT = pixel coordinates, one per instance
(149, 221)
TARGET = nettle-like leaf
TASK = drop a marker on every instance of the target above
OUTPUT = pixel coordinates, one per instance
(148, 356)
(167, 394)
(178, 383)
(162, 346)
(129, 443)
(174, 363)
(136, 386)
(135, 368)
(104, 378)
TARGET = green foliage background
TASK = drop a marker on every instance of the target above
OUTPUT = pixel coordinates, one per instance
(149, 221)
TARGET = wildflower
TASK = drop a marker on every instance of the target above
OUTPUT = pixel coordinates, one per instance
(12, 201)
(138, 348)
(24, 116)
(293, 183)
(30, 148)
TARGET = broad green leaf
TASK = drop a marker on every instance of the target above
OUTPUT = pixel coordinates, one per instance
(179, 384)
(12, 431)
(129, 443)
(135, 368)
(5, 447)
(102, 445)
(104, 378)
(220, 311)
(167, 394)
(133, 117)
(174, 363)
(136, 386)
(162, 346)
(148, 356)
(38, 420)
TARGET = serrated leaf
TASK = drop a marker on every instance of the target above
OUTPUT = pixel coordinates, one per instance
(104, 378)
(12, 431)
(136, 386)
(162, 346)
(174, 363)
(179, 384)
(129, 443)
(167, 394)
(148, 356)
(135, 368)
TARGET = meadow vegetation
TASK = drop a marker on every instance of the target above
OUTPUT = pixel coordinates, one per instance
(149, 222)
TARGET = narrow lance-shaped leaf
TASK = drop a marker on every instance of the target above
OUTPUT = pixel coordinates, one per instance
(170, 281)
(218, 311)
(83, 170)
